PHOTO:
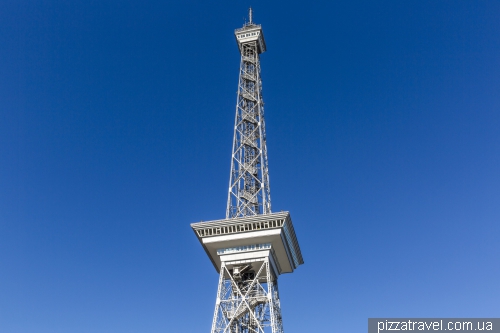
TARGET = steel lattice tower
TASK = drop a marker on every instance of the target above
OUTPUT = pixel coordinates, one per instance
(249, 192)
(252, 246)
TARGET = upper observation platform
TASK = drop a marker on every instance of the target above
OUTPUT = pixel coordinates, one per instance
(250, 32)
(248, 239)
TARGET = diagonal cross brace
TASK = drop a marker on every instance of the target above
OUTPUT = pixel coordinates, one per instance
(243, 297)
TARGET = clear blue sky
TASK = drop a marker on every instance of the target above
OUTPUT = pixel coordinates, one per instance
(115, 134)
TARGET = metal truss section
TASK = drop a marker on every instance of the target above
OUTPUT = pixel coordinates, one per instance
(249, 191)
(247, 299)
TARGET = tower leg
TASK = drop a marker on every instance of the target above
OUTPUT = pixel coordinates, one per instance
(274, 302)
(220, 290)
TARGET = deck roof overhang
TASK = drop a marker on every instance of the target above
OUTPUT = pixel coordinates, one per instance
(275, 229)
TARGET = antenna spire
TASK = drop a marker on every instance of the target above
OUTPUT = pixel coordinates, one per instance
(250, 15)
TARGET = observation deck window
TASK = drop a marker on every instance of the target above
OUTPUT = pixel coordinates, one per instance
(244, 248)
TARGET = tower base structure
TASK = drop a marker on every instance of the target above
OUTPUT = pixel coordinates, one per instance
(249, 254)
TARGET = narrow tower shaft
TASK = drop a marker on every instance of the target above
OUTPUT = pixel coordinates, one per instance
(249, 192)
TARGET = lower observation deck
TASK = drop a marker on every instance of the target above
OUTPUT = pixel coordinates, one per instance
(248, 239)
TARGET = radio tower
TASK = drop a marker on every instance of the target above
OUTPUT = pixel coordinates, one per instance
(252, 246)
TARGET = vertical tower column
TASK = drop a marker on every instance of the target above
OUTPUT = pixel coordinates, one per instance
(249, 191)
(251, 247)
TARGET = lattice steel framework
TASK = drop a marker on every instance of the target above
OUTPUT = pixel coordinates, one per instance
(247, 300)
(247, 296)
(249, 192)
